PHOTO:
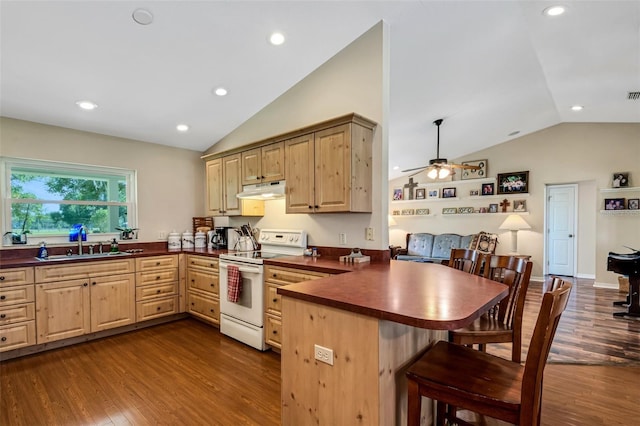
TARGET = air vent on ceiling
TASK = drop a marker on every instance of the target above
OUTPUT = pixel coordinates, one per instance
(634, 96)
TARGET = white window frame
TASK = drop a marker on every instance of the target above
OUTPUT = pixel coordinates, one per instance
(6, 166)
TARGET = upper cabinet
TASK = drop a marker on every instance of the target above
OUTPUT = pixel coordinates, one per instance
(329, 170)
(263, 164)
(223, 184)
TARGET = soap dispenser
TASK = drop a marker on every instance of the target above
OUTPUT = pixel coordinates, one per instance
(114, 246)
(43, 253)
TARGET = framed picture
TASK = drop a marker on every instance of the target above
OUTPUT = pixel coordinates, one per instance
(493, 208)
(396, 213)
(633, 203)
(513, 183)
(474, 193)
(433, 193)
(422, 212)
(420, 193)
(465, 210)
(407, 212)
(398, 194)
(488, 189)
(448, 192)
(449, 210)
(620, 179)
(474, 174)
(519, 205)
(614, 203)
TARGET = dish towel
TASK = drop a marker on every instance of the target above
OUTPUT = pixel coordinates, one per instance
(234, 283)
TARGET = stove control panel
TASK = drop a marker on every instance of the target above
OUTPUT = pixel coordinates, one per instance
(282, 237)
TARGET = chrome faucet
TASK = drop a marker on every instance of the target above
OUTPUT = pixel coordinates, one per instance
(82, 228)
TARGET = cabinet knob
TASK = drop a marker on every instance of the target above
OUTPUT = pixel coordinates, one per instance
(158, 291)
(4, 339)
(85, 284)
(3, 297)
(93, 283)
(157, 263)
(193, 304)
(275, 331)
(275, 300)
(3, 316)
(158, 308)
(213, 311)
(157, 278)
(1, 277)
(310, 207)
(317, 207)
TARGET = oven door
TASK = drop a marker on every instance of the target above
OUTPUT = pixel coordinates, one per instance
(249, 308)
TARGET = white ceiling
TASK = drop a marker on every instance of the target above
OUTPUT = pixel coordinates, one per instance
(489, 68)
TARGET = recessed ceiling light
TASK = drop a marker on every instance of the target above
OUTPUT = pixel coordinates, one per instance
(577, 108)
(554, 11)
(220, 91)
(276, 39)
(87, 105)
(142, 16)
(182, 127)
(396, 167)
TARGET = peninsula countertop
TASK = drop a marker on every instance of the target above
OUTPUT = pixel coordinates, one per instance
(425, 295)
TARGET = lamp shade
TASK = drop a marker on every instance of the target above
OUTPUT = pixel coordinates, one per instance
(514, 222)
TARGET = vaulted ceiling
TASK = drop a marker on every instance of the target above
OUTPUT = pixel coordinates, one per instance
(489, 68)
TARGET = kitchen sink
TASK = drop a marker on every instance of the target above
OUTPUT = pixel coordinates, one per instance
(61, 257)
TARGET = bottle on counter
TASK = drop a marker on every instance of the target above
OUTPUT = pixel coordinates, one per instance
(114, 246)
(43, 253)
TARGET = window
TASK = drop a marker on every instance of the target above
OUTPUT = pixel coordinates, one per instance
(45, 199)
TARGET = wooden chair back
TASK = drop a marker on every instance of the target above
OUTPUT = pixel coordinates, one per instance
(516, 273)
(464, 259)
(554, 302)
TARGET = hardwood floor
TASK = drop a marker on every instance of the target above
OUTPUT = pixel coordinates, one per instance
(187, 373)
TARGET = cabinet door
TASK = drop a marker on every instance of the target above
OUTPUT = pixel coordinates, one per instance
(232, 184)
(251, 166)
(333, 169)
(214, 187)
(272, 162)
(62, 310)
(299, 166)
(113, 302)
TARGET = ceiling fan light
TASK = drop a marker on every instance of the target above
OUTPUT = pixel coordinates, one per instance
(433, 173)
(443, 173)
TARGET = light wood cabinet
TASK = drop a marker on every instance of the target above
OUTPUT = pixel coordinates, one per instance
(72, 300)
(263, 164)
(17, 308)
(224, 182)
(276, 276)
(157, 287)
(203, 291)
(330, 170)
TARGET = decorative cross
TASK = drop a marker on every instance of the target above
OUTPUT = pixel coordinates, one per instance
(410, 187)
(504, 204)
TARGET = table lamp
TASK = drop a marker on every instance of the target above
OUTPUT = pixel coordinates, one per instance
(514, 222)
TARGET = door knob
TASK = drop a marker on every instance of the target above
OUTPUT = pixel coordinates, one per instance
(570, 235)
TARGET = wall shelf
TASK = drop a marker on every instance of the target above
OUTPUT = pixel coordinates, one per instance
(620, 212)
(623, 189)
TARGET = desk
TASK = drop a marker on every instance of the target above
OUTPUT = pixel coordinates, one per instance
(376, 321)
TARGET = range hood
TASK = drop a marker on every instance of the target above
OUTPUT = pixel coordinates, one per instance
(263, 191)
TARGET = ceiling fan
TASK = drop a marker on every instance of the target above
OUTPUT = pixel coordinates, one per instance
(440, 168)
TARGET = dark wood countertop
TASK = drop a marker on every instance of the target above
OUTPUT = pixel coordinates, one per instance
(425, 295)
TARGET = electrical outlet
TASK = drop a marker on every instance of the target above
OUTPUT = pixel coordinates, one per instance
(368, 234)
(323, 354)
(162, 235)
(342, 238)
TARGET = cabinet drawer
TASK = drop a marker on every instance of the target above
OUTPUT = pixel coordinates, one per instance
(156, 277)
(273, 302)
(150, 309)
(13, 295)
(157, 290)
(202, 262)
(156, 262)
(203, 281)
(204, 307)
(16, 336)
(78, 271)
(16, 276)
(284, 276)
(17, 313)
(273, 331)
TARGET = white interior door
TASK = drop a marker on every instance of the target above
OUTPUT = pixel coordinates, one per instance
(561, 233)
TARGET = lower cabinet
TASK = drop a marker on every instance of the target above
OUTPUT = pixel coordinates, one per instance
(17, 308)
(276, 276)
(203, 291)
(157, 280)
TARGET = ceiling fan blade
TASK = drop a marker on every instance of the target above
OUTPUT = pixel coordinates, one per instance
(415, 168)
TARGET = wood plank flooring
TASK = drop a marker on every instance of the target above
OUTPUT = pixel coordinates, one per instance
(187, 373)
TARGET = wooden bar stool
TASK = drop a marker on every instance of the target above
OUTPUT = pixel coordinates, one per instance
(458, 377)
(503, 323)
(464, 259)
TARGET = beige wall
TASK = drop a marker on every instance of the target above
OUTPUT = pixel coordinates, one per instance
(354, 80)
(170, 180)
(586, 154)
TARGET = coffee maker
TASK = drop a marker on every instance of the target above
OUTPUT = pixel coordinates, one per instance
(217, 238)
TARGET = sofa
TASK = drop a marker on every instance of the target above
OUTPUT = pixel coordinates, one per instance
(436, 248)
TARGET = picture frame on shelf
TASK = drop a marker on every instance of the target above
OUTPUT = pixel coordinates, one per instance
(488, 189)
(614, 203)
(433, 193)
(398, 194)
(480, 173)
(520, 205)
(407, 212)
(422, 212)
(633, 204)
(449, 210)
(513, 183)
(396, 213)
(493, 208)
(420, 193)
(620, 180)
(474, 193)
(465, 210)
(448, 192)
(483, 210)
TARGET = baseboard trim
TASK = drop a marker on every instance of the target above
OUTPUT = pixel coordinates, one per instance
(606, 285)
(586, 276)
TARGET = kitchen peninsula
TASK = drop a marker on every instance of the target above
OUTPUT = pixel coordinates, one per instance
(375, 321)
